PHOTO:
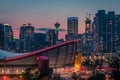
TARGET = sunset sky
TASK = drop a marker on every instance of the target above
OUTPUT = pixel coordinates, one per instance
(44, 13)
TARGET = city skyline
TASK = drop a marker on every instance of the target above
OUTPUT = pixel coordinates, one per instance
(44, 13)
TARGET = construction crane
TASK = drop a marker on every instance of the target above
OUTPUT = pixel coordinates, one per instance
(89, 15)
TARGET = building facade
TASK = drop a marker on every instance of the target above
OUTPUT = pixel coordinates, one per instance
(27, 38)
(111, 43)
(105, 30)
(72, 28)
(51, 37)
(6, 37)
(99, 31)
(1, 36)
(39, 41)
(87, 47)
(72, 25)
(118, 32)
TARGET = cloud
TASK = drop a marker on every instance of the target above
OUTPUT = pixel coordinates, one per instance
(46, 29)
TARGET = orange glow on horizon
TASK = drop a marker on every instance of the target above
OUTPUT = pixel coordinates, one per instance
(16, 27)
(61, 34)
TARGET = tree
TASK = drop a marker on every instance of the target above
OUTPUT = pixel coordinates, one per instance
(27, 75)
(74, 76)
(116, 72)
(97, 77)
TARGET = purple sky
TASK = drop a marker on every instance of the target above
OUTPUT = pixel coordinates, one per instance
(44, 13)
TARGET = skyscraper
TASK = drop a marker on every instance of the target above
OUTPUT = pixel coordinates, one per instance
(118, 31)
(88, 26)
(106, 32)
(87, 38)
(39, 41)
(99, 31)
(111, 43)
(27, 38)
(72, 28)
(1, 36)
(72, 25)
(8, 37)
(51, 37)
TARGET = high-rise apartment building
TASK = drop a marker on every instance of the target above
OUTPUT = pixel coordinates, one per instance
(87, 38)
(72, 25)
(27, 38)
(6, 37)
(51, 37)
(72, 28)
(39, 41)
(1, 36)
(106, 32)
(99, 31)
(118, 31)
(111, 33)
